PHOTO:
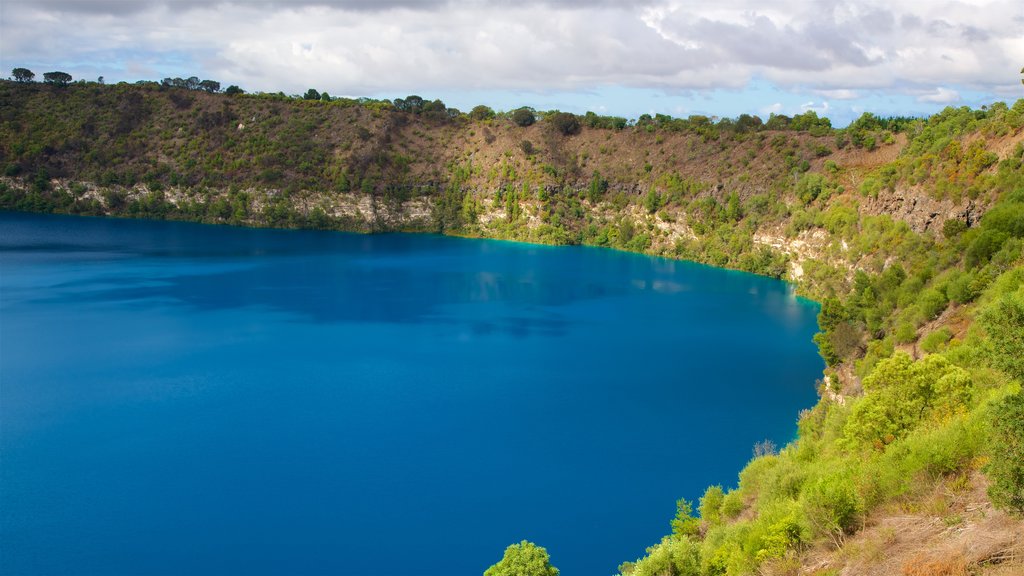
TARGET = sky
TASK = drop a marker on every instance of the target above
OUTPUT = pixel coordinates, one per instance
(718, 58)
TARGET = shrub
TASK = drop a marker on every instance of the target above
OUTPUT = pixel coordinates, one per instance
(1003, 320)
(710, 507)
(832, 506)
(565, 123)
(523, 559)
(676, 556)
(1006, 447)
(481, 112)
(523, 117)
(936, 340)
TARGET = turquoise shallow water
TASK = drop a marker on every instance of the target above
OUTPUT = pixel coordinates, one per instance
(187, 399)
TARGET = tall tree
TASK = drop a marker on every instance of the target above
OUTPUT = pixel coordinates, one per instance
(57, 78)
(210, 86)
(22, 75)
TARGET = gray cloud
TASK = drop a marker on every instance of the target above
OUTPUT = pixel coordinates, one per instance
(128, 7)
(363, 46)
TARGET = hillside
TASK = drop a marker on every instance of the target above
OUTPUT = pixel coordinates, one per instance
(909, 232)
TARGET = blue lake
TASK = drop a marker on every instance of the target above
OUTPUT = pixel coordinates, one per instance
(187, 399)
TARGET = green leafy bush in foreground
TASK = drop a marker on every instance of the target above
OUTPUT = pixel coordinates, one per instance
(523, 559)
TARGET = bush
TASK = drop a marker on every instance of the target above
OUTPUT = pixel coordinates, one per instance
(710, 507)
(832, 506)
(565, 123)
(1006, 448)
(523, 117)
(1003, 320)
(481, 112)
(676, 556)
(899, 393)
(936, 340)
(523, 559)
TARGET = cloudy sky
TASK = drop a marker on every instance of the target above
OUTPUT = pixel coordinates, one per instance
(715, 57)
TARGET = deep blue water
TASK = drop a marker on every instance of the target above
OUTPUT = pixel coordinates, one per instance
(187, 399)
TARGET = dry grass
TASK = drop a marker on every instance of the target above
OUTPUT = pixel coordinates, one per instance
(952, 531)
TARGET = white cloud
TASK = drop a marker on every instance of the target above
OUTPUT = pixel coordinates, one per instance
(836, 50)
(839, 94)
(821, 108)
(940, 96)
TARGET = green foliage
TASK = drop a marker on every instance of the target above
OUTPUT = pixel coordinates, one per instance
(565, 123)
(652, 201)
(22, 75)
(481, 112)
(60, 79)
(1006, 449)
(1003, 321)
(685, 524)
(597, 188)
(523, 117)
(710, 507)
(674, 556)
(936, 341)
(900, 393)
(832, 506)
(523, 559)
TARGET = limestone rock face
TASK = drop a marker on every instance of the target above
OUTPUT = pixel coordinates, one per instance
(920, 211)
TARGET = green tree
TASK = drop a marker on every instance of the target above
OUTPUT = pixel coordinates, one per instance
(233, 90)
(524, 117)
(523, 559)
(311, 94)
(481, 112)
(565, 123)
(652, 201)
(710, 507)
(598, 187)
(1006, 447)
(57, 78)
(22, 75)
(1003, 320)
(685, 524)
(211, 86)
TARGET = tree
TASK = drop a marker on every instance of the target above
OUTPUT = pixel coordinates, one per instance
(435, 110)
(311, 94)
(523, 559)
(233, 90)
(57, 78)
(524, 117)
(710, 507)
(481, 112)
(411, 103)
(685, 524)
(566, 123)
(22, 75)
(210, 86)
(1006, 446)
(1003, 320)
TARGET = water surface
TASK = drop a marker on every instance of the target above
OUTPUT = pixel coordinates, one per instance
(187, 399)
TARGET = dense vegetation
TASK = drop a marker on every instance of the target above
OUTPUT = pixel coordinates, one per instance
(922, 323)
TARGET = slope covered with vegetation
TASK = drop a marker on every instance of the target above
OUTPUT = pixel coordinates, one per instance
(910, 232)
